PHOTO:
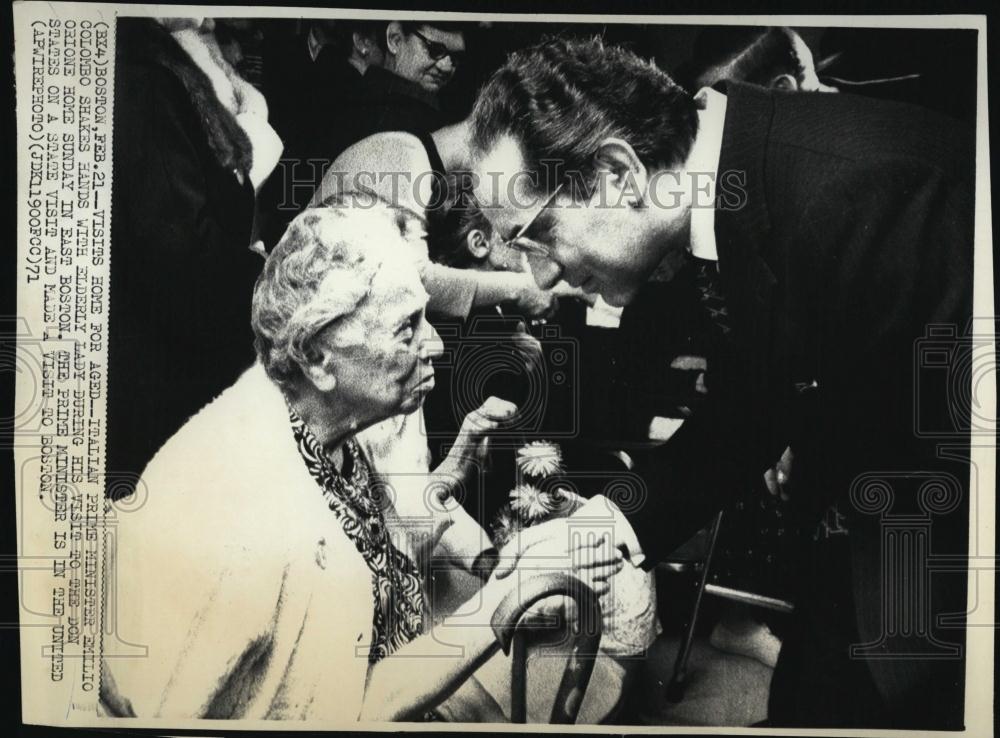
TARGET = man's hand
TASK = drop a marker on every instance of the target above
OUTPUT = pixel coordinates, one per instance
(535, 302)
(545, 539)
(563, 289)
(554, 546)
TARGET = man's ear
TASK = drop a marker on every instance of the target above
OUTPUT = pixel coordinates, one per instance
(318, 369)
(477, 244)
(620, 169)
(393, 37)
(784, 82)
(360, 43)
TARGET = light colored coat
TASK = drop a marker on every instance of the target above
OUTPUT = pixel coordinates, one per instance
(252, 601)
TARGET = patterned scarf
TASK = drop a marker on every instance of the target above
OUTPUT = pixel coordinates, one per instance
(396, 583)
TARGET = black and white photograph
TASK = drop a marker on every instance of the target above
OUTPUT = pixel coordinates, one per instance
(386, 368)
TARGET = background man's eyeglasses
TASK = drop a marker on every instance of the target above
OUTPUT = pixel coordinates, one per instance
(438, 51)
(522, 243)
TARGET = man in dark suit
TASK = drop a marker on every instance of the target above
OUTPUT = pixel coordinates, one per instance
(833, 233)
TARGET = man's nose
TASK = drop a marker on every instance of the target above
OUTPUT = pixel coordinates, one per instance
(446, 64)
(545, 271)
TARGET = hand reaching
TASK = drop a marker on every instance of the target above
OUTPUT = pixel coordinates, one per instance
(472, 443)
(610, 532)
(535, 302)
(557, 546)
(563, 289)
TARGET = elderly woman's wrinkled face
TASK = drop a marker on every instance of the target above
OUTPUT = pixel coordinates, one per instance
(383, 364)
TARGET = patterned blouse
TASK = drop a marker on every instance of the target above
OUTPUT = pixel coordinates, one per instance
(396, 582)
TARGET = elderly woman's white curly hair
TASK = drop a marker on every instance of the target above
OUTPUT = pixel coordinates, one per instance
(320, 272)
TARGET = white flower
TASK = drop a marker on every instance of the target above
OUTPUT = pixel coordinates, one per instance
(540, 459)
(529, 502)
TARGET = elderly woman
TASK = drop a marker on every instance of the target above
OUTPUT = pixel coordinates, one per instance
(261, 570)
(405, 170)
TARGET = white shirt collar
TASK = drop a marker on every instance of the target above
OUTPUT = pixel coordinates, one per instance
(702, 167)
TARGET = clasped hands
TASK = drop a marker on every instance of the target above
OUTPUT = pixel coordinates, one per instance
(594, 544)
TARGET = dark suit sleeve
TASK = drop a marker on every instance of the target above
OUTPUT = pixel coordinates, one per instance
(690, 478)
(881, 253)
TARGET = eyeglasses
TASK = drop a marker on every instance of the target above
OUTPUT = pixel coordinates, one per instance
(522, 243)
(438, 51)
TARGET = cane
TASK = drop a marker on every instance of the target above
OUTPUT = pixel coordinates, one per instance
(512, 636)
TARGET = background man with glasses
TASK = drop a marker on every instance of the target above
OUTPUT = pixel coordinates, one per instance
(422, 53)
(401, 94)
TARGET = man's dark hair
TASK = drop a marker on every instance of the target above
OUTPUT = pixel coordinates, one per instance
(562, 97)
(459, 215)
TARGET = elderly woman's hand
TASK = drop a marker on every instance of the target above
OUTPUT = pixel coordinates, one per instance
(472, 443)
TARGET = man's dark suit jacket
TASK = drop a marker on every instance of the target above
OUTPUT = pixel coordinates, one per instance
(844, 228)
